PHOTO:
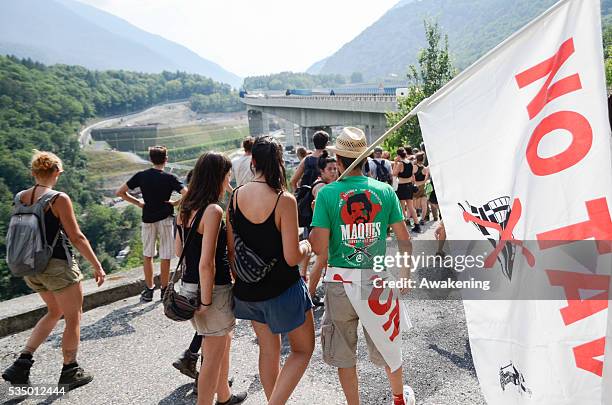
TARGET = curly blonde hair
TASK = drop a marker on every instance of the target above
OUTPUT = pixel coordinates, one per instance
(45, 163)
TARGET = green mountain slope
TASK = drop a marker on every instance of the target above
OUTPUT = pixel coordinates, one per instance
(473, 27)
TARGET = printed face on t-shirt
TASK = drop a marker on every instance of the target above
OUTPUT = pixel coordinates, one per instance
(359, 226)
(359, 210)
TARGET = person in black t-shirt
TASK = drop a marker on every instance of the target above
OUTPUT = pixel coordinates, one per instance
(308, 169)
(156, 187)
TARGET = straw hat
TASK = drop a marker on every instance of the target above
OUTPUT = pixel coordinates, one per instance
(350, 143)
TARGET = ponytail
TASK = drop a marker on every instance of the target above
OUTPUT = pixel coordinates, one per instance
(268, 160)
(324, 159)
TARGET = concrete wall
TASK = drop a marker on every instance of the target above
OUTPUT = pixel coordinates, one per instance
(127, 138)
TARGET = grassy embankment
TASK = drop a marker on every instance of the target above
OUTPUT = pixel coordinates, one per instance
(110, 168)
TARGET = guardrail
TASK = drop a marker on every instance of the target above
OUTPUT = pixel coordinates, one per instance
(376, 103)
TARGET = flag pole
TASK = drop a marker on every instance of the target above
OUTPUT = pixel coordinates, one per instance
(457, 80)
(384, 136)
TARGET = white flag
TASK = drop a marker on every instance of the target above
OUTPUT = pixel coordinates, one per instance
(524, 134)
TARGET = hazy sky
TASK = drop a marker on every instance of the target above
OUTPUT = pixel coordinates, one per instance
(250, 37)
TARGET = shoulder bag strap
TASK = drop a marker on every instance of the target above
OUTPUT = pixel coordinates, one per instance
(196, 220)
(231, 210)
(44, 200)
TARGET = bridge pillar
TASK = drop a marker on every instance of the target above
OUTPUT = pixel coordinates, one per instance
(308, 132)
(373, 133)
(306, 137)
(256, 123)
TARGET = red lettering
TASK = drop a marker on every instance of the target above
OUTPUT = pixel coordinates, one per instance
(585, 356)
(379, 308)
(582, 139)
(572, 283)
(549, 67)
(394, 318)
(598, 226)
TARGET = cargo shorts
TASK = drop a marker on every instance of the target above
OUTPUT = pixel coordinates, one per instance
(218, 319)
(339, 331)
(57, 276)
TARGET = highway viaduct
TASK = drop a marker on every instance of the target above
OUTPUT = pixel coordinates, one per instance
(312, 113)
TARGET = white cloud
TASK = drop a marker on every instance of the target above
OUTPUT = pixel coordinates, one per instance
(253, 36)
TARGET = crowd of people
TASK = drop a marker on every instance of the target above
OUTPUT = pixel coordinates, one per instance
(254, 251)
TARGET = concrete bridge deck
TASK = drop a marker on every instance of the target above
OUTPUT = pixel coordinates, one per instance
(363, 103)
(129, 347)
(316, 112)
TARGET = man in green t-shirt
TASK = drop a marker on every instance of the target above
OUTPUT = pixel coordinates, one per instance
(350, 223)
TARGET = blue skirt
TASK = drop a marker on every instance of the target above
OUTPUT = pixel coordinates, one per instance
(282, 314)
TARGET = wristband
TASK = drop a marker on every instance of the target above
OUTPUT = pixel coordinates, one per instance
(205, 305)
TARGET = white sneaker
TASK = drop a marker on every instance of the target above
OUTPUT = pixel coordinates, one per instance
(409, 398)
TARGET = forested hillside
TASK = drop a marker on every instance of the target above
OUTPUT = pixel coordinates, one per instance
(391, 44)
(42, 107)
(290, 80)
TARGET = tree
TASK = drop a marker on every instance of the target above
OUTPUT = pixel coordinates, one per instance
(435, 69)
(42, 107)
(357, 77)
(607, 43)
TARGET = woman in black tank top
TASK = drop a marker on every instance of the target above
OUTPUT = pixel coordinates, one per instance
(403, 169)
(421, 176)
(201, 226)
(265, 219)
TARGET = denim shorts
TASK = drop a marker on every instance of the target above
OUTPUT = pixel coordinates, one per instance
(282, 314)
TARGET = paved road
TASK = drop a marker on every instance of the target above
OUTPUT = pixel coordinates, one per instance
(129, 346)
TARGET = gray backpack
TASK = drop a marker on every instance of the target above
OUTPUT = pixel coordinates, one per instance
(27, 249)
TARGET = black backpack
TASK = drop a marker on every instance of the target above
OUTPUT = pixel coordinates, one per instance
(304, 199)
(382, 173)
(311, 170)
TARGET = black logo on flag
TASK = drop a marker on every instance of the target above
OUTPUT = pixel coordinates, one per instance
(510, 375)
(496, 212)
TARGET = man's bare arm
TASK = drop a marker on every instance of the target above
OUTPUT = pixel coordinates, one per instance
(123, 193)
(319, 240)
(176, 202)
(297, 176)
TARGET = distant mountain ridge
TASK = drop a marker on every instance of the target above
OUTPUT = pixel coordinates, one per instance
(70, 32)
(391, 44)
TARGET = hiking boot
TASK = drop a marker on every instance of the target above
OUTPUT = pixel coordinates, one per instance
(187, 364)
(163, 292)
(416, 228)
(234, 399)
(147, 294)
(317, 301)
(18, 373)
(74, 377)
